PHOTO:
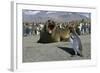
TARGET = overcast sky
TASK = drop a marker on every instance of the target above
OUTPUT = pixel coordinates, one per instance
(34, 12)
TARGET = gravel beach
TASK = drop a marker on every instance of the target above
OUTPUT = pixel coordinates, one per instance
(59, 51)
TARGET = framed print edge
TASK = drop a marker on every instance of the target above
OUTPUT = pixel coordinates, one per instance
(13, 37)
(16, 33)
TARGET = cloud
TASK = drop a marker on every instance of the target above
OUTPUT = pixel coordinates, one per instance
(31, 12)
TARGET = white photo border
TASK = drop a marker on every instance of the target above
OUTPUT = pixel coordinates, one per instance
(16, 52)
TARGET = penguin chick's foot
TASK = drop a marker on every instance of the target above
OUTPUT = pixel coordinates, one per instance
(80, 55)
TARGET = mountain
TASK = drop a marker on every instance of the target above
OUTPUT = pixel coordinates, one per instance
(43, 16)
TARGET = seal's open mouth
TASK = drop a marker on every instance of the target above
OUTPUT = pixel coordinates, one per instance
(51, 26)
